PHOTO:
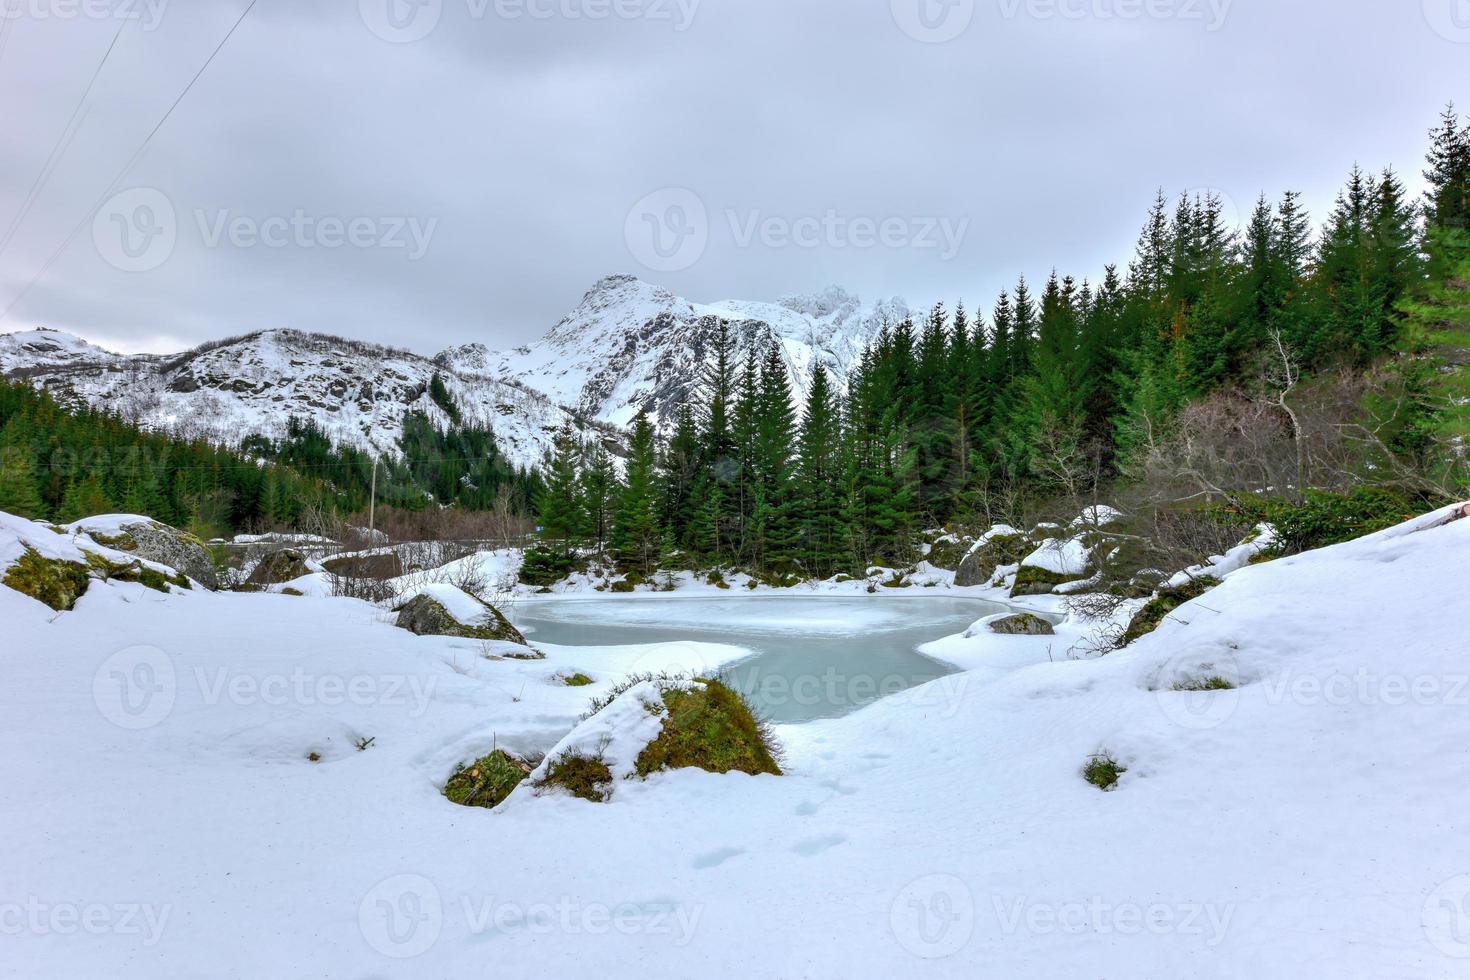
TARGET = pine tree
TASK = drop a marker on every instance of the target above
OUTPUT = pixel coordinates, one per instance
(599, 491)
(637, 537)
(561, 512)
(84, 498)
(819, 480)
(20, 489)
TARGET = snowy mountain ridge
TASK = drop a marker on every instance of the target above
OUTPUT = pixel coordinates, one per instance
(627, 346)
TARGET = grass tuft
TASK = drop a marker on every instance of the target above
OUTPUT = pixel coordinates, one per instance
(1103, 771)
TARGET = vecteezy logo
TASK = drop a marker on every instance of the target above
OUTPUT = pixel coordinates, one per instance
(933, 916)
(667, 231)
(401, 21)
(135, 688)
(136, 230)
(1446, 917)
(1188, 693)
(933, 21)
(1449, 18)
(401, 916)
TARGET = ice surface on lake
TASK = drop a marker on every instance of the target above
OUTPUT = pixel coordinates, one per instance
(811, 657)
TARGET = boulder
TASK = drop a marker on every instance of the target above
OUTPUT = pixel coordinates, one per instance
(1022, 624)
(1057, 562)
(443, 610)
(279, 566)
(1000, 545)
(383, 564)
(154, 541)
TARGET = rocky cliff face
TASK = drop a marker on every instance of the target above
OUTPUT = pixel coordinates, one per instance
(628, 346)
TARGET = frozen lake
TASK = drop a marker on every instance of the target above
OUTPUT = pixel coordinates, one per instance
(811, 657)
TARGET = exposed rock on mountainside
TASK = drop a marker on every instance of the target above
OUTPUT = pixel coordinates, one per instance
(628, 346)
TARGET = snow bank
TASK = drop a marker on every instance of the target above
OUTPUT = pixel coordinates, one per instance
(1063, 556)
(1305, 822)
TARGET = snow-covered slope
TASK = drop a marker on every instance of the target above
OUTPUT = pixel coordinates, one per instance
(630, 345)
(162, 813)
(357, 392)
(41, 349)
(627, 346)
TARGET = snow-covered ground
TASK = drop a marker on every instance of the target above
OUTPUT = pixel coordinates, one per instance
(162, 817)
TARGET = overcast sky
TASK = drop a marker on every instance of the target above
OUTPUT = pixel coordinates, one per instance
(433, 172)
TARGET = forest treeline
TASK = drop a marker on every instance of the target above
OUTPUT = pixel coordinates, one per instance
(1053, 392)
(65, 463)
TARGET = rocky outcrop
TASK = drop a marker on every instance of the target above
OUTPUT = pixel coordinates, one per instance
(278, 566)
(999, 546)
(426, 615)
(157, 542)
(1022, 624)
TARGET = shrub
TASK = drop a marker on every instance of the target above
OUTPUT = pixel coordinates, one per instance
(541, 566)
(584, 776)
(55, 582)
(1324, 518)
(710, 727)
(1103, 771)
(487, 781)
(577, 680)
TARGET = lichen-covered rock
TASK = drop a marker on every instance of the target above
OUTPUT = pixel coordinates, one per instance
(435, 612)
(156, 542)
(279, 566)
(999, 546)
(1022, 624)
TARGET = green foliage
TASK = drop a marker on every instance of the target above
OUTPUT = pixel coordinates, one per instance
(487, 781)
(710, 727)
(55, 582)
(1165, 601)
(541, 566)
(577, 680)
(583, 776)
(1325, 518)
(1103, 771)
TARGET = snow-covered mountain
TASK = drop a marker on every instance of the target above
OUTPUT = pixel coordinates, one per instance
(224, 390)
(628, 346)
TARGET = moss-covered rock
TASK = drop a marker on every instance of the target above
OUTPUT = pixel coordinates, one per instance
(424, 615)
(709, 726)
(162, 544)
(54, 581)
(977, 567)
(487, 781)
(1165, 601)
(279, 566)
(1035, 580)
(577, 680)
(1022, 624)
(947, 552)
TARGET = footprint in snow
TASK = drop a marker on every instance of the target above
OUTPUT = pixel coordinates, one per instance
(816, 845)
(805, 808)
(714, 859)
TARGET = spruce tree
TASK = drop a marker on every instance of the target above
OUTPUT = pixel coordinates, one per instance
(561, 512)
(819, 480)
(637, 536)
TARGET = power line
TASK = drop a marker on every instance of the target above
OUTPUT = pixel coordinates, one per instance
(59, 148)
(132, 162)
